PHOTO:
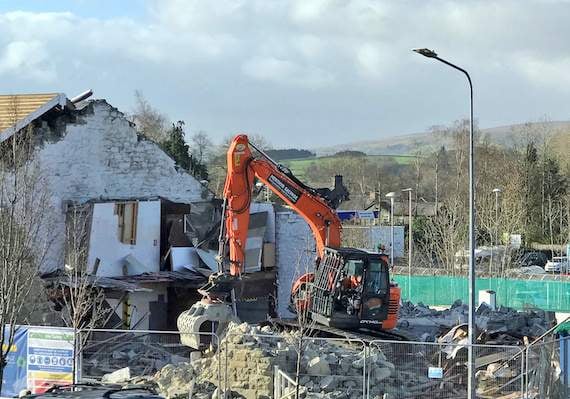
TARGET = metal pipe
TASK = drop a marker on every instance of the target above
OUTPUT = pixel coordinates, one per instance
(83, 96)
(391, 195)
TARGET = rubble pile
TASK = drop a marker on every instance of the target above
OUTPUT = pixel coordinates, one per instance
(328, 370)
(247, 359)
(109, 355)
(504, 325)
(245, 363)
(176, 381)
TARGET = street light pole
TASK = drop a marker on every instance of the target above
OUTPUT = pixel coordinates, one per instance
(472, 240)
(410, 241)
(391, 195)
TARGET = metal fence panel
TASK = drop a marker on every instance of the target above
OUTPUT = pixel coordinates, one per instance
(255, 362)
(439, 370)
(543, 376)
(145, 353)
(317, 367)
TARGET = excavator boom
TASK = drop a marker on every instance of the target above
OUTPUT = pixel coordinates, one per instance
(242, 169)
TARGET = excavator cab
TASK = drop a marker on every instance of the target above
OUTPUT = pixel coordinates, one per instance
(352, 290)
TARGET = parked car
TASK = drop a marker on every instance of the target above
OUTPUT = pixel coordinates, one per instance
(97, 391)
(558, 264)
(483, 258)
(532, 259)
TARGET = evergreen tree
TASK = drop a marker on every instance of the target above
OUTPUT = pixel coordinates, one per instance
(175, 146)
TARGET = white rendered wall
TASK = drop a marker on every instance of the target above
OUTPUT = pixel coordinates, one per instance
(104, 242)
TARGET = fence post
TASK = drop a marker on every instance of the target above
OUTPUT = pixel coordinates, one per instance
(225, 367)
(522, 373)
(527, 370)
(77, 356)
(276, 383)
(364, 369)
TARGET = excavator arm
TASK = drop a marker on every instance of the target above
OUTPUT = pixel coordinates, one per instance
(316, 206)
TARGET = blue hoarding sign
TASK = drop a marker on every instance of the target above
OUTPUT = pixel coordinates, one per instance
(15, 377)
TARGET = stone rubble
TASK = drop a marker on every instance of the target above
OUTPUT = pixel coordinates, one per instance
(246, 360)
(329, 370)
(428, 324)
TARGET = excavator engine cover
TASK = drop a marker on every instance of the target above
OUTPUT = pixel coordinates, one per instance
(202, 321)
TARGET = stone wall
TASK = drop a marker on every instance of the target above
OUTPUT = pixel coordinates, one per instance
(295, 255)
(96, 154)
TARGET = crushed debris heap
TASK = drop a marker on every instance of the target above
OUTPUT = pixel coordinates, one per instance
(502, 326)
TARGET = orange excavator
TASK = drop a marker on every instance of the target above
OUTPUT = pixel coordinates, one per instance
(350, 289)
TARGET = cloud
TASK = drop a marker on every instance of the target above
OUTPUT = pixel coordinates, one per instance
(552, 74)
(27, 58)
(218, 63)
(286, 72)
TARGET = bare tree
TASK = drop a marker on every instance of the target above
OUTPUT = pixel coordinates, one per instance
(201, 147)
(149, 121)
(24, 218)
(306, 325)
(445, 234)
(83, 304)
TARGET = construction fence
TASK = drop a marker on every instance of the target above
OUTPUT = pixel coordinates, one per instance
(269, 365)
(549, 295)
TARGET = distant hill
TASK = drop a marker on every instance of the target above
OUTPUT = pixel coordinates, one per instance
(407, 144)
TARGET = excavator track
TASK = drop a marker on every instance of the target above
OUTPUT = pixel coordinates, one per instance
(321, 330)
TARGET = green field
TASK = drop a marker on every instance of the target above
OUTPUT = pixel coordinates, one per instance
(299, 166)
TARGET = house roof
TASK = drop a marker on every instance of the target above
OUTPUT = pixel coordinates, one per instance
(19, 110)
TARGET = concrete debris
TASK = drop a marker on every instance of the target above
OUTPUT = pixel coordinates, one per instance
(143, 355)
(177, 381)
(248, 358)
(117, 377)
(502, 326)
(328, 370)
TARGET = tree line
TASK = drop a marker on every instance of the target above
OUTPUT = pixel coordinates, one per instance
(521, 188)
(532, 174)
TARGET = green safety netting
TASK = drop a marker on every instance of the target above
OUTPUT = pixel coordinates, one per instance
(563, 327)
(518, 294)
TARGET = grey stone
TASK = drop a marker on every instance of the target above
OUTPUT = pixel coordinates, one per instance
(381, 373)
(328, 383)
(318, 366)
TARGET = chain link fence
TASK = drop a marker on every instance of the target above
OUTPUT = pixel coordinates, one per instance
(439, 370)
(144, 352)
(259, 363)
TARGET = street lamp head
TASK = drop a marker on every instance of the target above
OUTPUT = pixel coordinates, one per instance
(497, 190)
(426, 52)
(391, 194)
(407, 190)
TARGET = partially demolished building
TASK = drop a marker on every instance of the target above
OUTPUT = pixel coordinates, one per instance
(90, 155)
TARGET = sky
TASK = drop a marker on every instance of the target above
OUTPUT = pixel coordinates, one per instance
(301, 73)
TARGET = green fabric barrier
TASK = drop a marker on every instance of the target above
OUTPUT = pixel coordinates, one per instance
(563, 328)
(519, 294)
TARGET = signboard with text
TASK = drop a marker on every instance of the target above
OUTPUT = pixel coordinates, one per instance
(50, 359)
(38, 359)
